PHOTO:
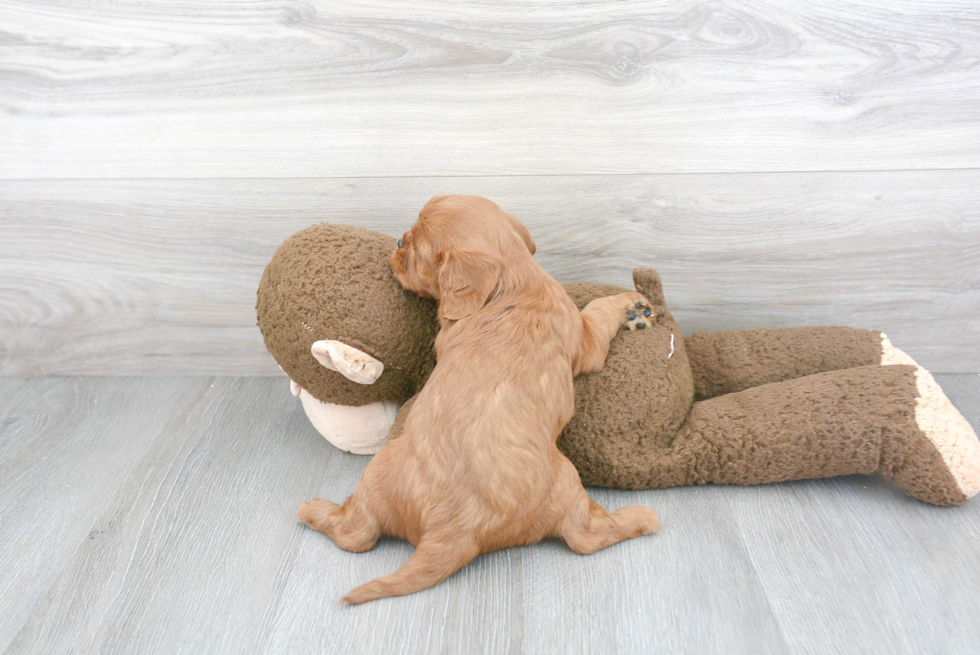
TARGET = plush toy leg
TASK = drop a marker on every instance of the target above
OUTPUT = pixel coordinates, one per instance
(728, 361)
(891, 420)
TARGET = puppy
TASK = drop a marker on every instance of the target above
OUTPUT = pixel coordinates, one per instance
(476, 468)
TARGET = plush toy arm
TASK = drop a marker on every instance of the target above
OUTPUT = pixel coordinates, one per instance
(729, 361)
(602, 319)
(891, 420)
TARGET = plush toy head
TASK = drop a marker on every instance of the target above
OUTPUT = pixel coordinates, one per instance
(329, 297)
(339, 324)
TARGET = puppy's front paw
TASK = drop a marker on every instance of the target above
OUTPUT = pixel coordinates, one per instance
(639, 313)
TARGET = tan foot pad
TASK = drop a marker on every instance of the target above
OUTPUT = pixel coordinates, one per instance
(890, 355)
(949, 432)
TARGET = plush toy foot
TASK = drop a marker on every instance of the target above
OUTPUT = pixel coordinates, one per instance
(943, 465)
(894, 421)
(890, 355)
(639, 314)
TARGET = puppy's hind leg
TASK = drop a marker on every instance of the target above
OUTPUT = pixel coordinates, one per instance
(586, 527)
(349, 525)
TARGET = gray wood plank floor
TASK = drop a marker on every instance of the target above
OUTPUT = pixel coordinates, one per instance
(155, 515)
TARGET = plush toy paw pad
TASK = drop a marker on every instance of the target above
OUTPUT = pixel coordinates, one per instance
(639, 315)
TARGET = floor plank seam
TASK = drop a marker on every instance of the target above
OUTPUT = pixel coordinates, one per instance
(747, 551)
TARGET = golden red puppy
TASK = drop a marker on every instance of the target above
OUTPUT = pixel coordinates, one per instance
(475, 467)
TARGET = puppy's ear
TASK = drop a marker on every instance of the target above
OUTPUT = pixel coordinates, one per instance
(523, 233)
(467, 278)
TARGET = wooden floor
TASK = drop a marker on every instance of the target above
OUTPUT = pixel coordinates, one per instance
(779, 162)
(156, 515)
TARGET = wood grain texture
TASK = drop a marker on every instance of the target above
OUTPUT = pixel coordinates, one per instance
(659, 592)
(780, 163)
(431, 87)
(192, 549)
(828, 552)
(66, 445)
(655, 594)
(159, 276)
(183, 540)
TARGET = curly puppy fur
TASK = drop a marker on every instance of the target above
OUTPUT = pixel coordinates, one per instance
(476, 468)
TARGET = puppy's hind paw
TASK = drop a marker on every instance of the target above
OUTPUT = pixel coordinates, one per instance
(639, 314)
(317, 513)
(638, 519)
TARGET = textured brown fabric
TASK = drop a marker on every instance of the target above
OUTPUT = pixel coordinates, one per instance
(639, 400)
(733, 360)
(334, 282)
(778, 408)
(859, 420)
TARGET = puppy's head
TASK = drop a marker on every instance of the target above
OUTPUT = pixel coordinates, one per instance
(457, 251)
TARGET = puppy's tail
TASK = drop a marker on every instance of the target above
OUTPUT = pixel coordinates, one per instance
(432, 562)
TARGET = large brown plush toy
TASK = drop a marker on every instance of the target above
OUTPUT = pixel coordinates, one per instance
(741, 407)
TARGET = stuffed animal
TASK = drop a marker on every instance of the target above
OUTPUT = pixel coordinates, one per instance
(740, 407)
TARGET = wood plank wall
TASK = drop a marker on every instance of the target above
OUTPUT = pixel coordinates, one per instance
(779, 162)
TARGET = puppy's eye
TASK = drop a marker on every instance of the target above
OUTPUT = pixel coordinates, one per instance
(399, 243)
